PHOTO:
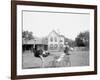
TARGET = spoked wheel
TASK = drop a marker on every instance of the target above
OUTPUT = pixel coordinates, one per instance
(66, 64)
(66, 61)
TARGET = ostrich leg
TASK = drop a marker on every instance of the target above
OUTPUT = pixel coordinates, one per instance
(42, 59)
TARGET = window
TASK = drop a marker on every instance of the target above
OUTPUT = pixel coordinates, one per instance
(61, 45)
(51, 46)
(56, 46)
(55, 39)
(61, 40)
(51, 39)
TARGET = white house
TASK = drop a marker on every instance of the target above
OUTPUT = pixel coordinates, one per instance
(55, 41)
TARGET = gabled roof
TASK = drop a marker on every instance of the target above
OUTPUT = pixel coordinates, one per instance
(53, 31)
(56, 33)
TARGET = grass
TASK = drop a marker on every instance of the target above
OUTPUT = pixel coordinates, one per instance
(76, 58)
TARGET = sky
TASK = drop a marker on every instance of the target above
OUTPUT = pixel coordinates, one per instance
(67, 24)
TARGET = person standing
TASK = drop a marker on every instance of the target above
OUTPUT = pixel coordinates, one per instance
(66, 50)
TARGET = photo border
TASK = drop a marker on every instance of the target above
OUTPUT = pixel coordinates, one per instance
(14, 39)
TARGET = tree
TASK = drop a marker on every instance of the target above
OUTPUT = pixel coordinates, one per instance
(79, 42)
(30, 36)
(26, 35)
(82, 39)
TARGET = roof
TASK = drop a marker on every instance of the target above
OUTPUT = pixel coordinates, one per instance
(56, 33)
(35, 41)
(53, 31)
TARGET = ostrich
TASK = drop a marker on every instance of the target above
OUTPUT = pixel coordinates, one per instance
(40, 53)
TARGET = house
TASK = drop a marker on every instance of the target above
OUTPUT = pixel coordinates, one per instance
(55, 41)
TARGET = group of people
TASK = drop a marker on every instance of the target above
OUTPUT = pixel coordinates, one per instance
(40, 53)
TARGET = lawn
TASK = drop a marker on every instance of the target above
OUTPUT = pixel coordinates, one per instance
(76, 58)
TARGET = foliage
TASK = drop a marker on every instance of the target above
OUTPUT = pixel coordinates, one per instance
(26, 35)
(70, 42)
(82, 39)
